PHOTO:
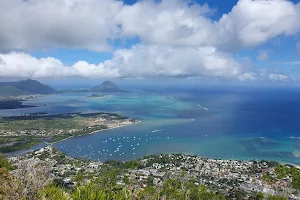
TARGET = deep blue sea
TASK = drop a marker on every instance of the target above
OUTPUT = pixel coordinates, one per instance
(227, 122)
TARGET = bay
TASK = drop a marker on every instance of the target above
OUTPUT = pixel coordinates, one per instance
(215, 122)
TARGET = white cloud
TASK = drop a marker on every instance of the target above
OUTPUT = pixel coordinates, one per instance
(139, 61)
(273, 74)
(249, 24)
(263, 56)
(247, 77)
(171, 22)
(177, 37)
(25, 66)
(253, 22)
(43, 24)
(277, 77)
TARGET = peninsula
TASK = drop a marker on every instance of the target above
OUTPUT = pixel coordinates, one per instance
(21, 132)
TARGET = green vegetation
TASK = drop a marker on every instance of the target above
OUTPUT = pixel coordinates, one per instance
(24, 87)
(47, 124)
(105, 188)
(53, 192)
(9, 90)
(106, 86)
(261, 196)
(284, 171)
(268, 178)
(296, 178)
(4, 163)
(59, 138)
(21, 132)
(131, 165)
(20, 145)
(276, 198)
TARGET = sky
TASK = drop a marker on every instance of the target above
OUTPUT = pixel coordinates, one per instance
(231, 40)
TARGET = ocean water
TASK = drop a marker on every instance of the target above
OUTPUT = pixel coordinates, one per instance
(216, 122)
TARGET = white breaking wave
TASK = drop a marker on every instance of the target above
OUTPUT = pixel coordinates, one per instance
(157, 130)
(292, 137)
(202, 107)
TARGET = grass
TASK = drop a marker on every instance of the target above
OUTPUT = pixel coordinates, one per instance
(41, 124)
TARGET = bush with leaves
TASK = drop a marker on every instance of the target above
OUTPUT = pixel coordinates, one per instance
(26, 181)
(52, 192)
(4, 163)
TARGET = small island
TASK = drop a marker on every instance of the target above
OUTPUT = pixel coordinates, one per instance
(96, 96)
(107, 86)
(21, 132)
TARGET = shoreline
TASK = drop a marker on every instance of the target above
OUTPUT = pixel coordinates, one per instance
(93, 132)
(25, 150)
(286, 163)
(280, 163)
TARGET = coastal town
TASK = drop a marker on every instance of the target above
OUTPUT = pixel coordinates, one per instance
(19, 97)
(234, 178)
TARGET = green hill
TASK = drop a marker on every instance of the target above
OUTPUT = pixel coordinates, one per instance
(106, 86)
(24, 87)
(9, 90)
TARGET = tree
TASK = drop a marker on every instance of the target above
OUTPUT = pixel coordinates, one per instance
(108, 180)
(296, 179)
(201, 193)
(88, 192)
(149, 193)
(79, 177)
(282, 171)
(4, 162)
(171, 188)
(131, 164)
(259, 196)
(126, 180)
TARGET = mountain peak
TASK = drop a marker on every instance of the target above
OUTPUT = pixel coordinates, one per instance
(29, 80)
(107, 82)
(28, 86)
(106, 86)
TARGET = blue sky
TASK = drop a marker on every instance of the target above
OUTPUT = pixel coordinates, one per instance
(229, 40)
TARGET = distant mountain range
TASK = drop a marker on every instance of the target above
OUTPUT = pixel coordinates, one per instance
(106, 86)
(25, 87)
